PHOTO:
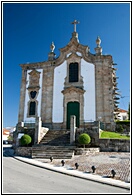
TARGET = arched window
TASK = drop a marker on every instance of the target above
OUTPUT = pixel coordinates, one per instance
(32, 108)
(73, 72)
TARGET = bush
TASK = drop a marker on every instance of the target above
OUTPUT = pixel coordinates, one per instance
(119, 128)
(84, 139)
(25, 140)
(125, 122)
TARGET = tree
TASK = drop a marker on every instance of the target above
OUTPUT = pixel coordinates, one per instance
(25, 140)
(10, 138)
(129, 111)
(84, 139)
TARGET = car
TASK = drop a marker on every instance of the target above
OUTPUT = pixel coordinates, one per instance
(5, 142)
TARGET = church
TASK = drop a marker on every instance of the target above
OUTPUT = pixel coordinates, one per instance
(76, 82)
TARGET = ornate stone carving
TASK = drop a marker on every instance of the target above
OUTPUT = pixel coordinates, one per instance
(72, 89)
(34, 79)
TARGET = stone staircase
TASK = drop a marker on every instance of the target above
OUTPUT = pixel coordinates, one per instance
(56, 144)
(56, 138)
(57, 152)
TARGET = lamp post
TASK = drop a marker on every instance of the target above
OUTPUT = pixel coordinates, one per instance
(93, 169)
(76, 165)
(113, 173)
(63, 162)
(51, 159)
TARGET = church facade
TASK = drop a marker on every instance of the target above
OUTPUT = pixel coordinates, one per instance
(75, 83)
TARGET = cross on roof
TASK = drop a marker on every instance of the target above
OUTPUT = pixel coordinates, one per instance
(74, 23)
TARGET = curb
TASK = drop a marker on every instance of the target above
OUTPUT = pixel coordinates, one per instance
(75, 173)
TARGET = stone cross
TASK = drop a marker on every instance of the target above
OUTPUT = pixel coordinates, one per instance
(74, 23)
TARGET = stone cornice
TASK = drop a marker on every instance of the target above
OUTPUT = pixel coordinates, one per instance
(39, 65)
(35, 88)
(72, 47)
(73, 89)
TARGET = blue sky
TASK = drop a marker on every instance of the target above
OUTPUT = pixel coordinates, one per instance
(29, 29)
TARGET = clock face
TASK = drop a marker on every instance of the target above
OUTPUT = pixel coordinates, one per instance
(33, 94)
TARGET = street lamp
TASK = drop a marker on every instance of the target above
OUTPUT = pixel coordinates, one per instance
(93, 169)
(113, 173)
(63, 162)
(76, 165)
(51, 159)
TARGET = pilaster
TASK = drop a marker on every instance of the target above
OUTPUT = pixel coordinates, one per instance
(47, 95)
(22, 96)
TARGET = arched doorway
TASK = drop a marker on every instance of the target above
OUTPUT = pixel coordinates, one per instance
(73, 108)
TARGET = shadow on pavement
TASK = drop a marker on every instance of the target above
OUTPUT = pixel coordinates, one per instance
(8, 151)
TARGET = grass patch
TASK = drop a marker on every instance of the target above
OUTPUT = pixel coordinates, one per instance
(112, 135)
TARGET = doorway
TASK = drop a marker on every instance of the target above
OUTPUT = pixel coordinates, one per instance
(73, 108)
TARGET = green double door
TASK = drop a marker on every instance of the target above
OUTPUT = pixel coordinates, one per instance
(73, 108)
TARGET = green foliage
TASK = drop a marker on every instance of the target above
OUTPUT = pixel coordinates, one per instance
(25, 140)
(84, 139)
(10, 138)
(119, 128)
(123, 122)
(129, 111)
(112, 135)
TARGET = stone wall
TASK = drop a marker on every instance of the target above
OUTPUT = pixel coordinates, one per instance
(108, 145)
(85, 151)
(114, 145)
(23, 151)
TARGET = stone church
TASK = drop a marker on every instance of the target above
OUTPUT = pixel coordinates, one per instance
(76, 82)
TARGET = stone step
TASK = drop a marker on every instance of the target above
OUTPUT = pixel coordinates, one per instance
(57, 152)
(55, 156)
(50, 135)
(51, 149)
(57, 149)
(40, 146)
(53, 153)
(55, 143)
(56, 137)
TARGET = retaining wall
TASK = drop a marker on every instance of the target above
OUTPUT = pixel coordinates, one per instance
(23, 151)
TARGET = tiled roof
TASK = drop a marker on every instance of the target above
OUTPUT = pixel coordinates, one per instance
(122, 111)
(5, 131)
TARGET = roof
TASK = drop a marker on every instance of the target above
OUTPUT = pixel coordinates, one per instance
(5, 131)
(122, 111)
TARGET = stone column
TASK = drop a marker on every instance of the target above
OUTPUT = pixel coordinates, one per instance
(72, 129)
(81, 109)
(22, 96)
(38, 126)
(47, 95)
(99, 88)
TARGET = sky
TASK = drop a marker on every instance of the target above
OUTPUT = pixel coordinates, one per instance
(29, 28)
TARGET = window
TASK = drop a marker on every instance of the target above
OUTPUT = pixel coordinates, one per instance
(32, 108)
(73, 72)
(33, 94)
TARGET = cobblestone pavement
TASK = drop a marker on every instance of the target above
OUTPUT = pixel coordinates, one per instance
(103, 161)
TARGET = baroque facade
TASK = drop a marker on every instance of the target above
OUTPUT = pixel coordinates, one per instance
(75, 83)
